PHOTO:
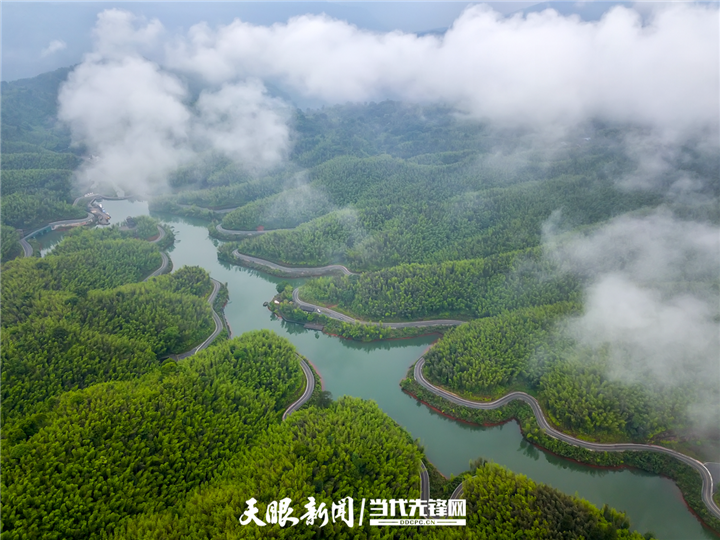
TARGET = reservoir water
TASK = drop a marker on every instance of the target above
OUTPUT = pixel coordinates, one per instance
(373, 371)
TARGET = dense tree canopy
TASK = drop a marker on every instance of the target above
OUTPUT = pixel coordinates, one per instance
(118, 449)
(471, 288)
(104, 436)
(70, 322)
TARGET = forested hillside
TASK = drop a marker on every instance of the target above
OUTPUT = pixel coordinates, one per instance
(322, 440)
(472, 288)
(461, 231)
(402, 212)
(104, 435)
(77, 317)
(524, 349)
(37, 160)
(114, 450)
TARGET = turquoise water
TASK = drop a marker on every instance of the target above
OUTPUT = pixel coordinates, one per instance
(373, 371)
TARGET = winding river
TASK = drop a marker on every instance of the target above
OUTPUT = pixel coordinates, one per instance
(373, 371)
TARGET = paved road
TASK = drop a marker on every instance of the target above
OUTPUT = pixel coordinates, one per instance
(27, 248)
(714, 469)
(161, 235)
(245, 234)
(344, 318)
(309, 388)
(223, 211)
(216, 319)
(424, 483)
(707, 479)
(458, 492)
(163, 266)
(294, 272)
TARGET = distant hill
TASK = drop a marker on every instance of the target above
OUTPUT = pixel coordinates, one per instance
(29, 112)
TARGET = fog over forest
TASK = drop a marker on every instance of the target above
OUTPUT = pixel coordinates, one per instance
(535, 184)
(543, 73)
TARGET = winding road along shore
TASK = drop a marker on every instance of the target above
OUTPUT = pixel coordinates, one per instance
(294, 272)
(707, 479)
(216, 319)
(163, 266)
(309, 389)
(245, 234)
(221, 211)
(160, 236)
(27, 248)
(344, 318)
(307, 394)
(165, 258)
(424, 482)
(333, 269)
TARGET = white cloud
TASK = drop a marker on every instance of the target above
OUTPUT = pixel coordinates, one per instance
(54, 46)
(655, 248)
(535, 70)
(651, 298)
(668, 339)
(542, 71)
(119, 33)
(131, 117)
(136, 120)
(242, 122)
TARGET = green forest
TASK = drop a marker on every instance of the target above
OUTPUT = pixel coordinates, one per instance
(118, 449)
(522, 350)
(471, 288)
(37, 158)
(78, 317)
(105, 435)
(379, 211)
(457, 232)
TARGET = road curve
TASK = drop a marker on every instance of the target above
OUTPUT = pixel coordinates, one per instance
(344, 318)
(245, 234)
(27, 248)
(294, 272)
(163, 266)
(161, 235)
(309, 389)
(222, 211)
(707, 479)
(457, 492)
(424, 482)
(216, 319)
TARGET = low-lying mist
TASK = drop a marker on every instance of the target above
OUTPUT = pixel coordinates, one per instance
(653, 299)
(130, 105)
(652, 278)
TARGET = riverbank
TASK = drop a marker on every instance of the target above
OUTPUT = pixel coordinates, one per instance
(372, 370)
(687, 479)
